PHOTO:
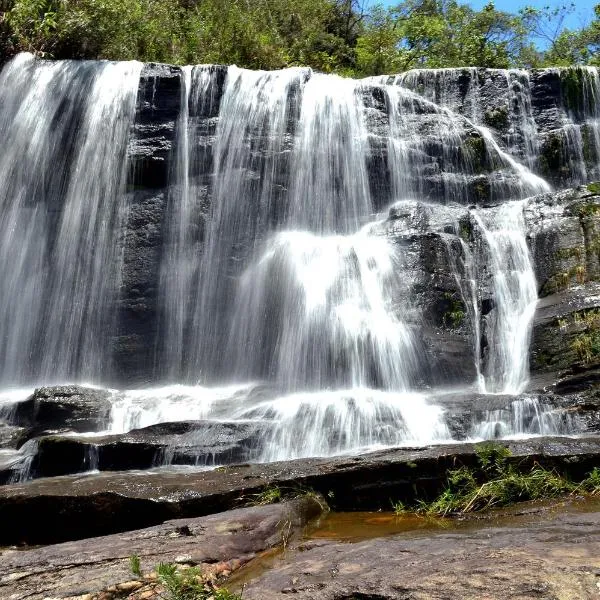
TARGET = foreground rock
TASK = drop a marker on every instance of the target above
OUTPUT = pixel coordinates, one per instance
(552, 557)
(63, 508)
(221, 542)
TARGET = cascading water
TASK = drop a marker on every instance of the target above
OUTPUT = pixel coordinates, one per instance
(315, 312)
(180, 267)
(515, 294)
(285, 297)
(576, 136)
(255, 117)
(66, 125)
(525, 417)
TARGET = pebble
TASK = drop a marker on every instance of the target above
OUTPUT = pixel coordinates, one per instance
(129, 586)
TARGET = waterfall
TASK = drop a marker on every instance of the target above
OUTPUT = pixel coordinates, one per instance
(329, 188)
(180, 268)
(316, 311)
(66, 124)
(253, 125)
(515, 294)
(317, 236)
(576, 134)
(525, 417)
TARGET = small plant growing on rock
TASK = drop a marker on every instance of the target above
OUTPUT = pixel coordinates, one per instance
(269, 495)
(184, 584)
(399, 508)
(497, 118)
(591, 484)
(594, 188)
(135, 565)
(455, 313)
(189, 584)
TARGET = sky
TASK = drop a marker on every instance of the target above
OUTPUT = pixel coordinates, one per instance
(582, 14)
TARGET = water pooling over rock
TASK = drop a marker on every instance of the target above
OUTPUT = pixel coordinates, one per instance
(320, 256)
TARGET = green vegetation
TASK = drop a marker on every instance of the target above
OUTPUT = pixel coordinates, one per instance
(189, 584)
(561, 281)
(576, 252)
(498, 118)
(587, 209)
(594, 188)
(270, 495)
(477, 153)
(350, 37)
(135, 565)
(455, 312)
(273, 494)
(586, 344)
(497, 481)
(551, 155)
(571, 83)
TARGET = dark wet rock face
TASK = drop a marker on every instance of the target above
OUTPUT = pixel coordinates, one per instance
(72, 408)
(565, 235)
(198, 443)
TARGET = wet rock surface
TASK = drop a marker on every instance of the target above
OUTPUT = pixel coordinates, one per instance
(564, 236)
(70, 407)
(220, 543)
(71, 507)
(554, 556)
(179, 443)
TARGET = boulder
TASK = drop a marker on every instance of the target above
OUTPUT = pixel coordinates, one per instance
(200, 443)
(67, 407)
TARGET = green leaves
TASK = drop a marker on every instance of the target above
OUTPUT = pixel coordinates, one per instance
(350, 37)
(496, 482)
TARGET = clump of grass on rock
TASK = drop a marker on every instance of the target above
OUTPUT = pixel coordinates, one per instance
(496, 482)
(190, 584)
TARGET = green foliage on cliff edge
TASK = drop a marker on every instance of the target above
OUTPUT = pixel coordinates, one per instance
(350, 37)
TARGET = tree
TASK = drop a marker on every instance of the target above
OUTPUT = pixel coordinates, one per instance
(342, 36)
(564, 46)
(377, 49)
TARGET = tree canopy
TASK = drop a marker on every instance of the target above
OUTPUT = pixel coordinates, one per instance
(344, 36)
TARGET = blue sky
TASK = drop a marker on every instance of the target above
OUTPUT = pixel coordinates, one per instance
(581, 15)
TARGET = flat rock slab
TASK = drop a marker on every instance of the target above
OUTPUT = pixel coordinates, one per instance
(556, 557)
(182, 443)
(90, 566)
(62, 508)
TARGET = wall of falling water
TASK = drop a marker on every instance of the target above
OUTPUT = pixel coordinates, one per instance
(292, 288)
(66, 124)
